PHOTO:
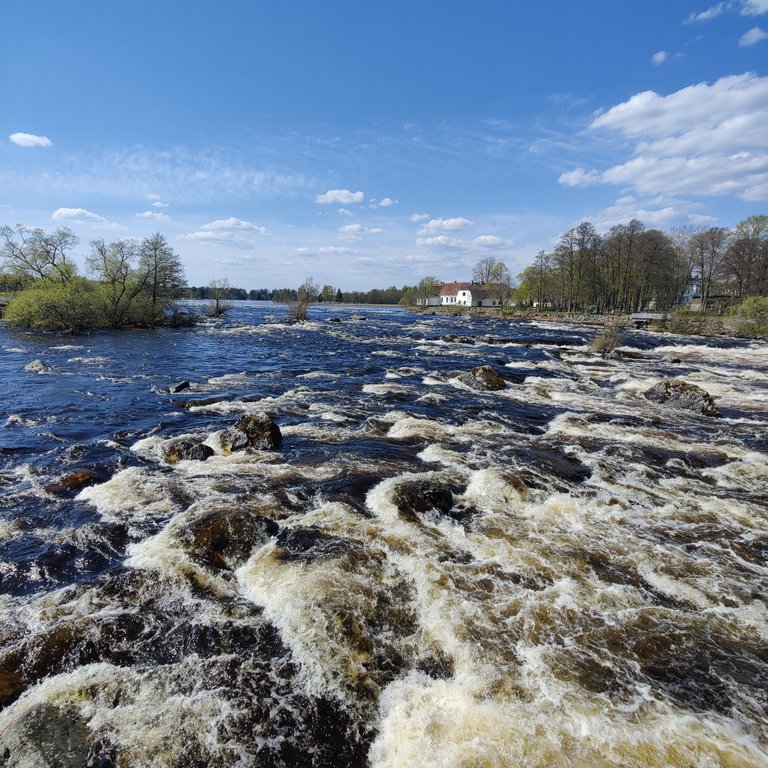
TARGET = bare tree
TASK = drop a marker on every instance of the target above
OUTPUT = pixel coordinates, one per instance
(33, 254)
(219, 292)
(482, 274)
(113, 265)
(708, 248)
(307, 293)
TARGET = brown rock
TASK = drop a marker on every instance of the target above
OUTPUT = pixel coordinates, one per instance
(484, 378)
(72, 482)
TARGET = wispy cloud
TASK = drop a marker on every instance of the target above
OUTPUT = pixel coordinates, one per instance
(83, 217)
(440, 241)
(754, 7)
(754, 35)
(418, 217)
(341, 196)
(326, 250)
(709, 14)
(181, 174)
(385, 202)
(29, 140)
(659, 57)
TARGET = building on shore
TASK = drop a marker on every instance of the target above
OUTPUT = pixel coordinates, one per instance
(468, 295)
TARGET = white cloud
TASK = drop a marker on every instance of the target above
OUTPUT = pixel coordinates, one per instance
(341, 196)
(386, 202)
(754, 7)
(659, 57)
(418, 217)
(159, 204)
(344, 212)
(445, 225)
(579, 178)
(327, 250)
(30, 140)
(157, 216)
(661, 212)
(440, 241)
(755, 35)
(228, 232)
(489, 241)
(233, 223)
(709, 14)
(706, 139)
(83, 216)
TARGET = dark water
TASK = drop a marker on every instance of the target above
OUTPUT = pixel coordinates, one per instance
(560, 573)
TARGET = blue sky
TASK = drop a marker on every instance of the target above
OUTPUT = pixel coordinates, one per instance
(370, 144)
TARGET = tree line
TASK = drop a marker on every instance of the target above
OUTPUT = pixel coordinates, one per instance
(632, 268)
(326, 294)
(130, 283)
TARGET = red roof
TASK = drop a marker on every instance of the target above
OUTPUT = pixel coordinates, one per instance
(451, 289)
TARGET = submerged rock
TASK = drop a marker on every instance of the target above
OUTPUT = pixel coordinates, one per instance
(681, 394)
(186, 448)
(484, 378)
(46, 735)
(37, 366)
(455, 338)
(254, 430)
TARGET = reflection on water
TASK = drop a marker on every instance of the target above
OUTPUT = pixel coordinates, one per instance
(559, 573)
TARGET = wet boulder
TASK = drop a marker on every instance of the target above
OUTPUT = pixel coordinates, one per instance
(186, 449)
(681, 394)
(180, 387)
(72, 482)
(37, 366)
(254, 430)
(224, 538)
(46, 735)
(422, 497)
(484, 378)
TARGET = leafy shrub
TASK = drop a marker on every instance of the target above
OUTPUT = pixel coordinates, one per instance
(752, 316)
(72, 306)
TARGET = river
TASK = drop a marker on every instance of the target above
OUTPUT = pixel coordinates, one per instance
(557, 574)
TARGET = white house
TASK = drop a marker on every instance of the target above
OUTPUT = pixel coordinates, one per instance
(467, 295)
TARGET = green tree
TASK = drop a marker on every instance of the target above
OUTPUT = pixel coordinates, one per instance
(339, 296)
(161, 271)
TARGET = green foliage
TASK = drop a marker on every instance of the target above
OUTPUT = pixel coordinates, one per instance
(73, 306)
(752, 315)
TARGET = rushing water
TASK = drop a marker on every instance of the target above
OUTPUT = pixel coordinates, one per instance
(558, 574)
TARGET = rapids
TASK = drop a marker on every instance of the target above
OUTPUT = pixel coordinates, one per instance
(559, 574)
